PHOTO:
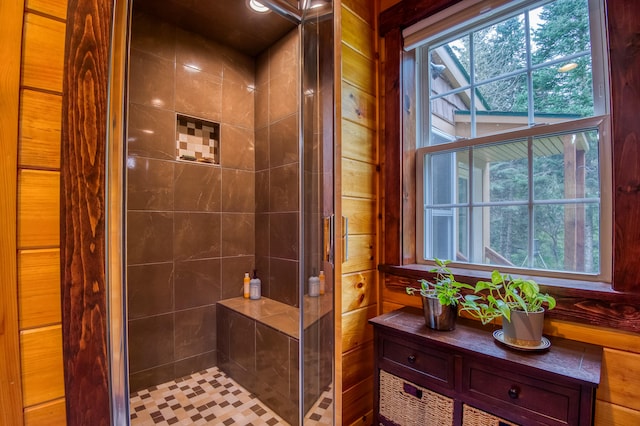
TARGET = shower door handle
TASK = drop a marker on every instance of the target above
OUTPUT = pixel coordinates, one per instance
(329, 238)
(345, 238)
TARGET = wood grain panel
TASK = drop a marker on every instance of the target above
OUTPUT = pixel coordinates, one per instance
(393, 201)
(43, 60)
(41, 356)
(386, 4)
(39, 287)
(361, 254)
(362, 215)
(355, 329)
(38, 209)
(359, 365)
(40, 122)
(359, 142)
(57, 8)
(359, 69)
(364, 9)
(624, 45)
(613, 415)
(400, 297)
(620, 378)
(389, 307)
(608, 337)
(84, 313)
(359, 179)
(358, 404)
(48, 414)
(358, 35)
(358, 106)
(359, 290)
(11, 15)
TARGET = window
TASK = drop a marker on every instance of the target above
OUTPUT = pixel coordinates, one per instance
(512, 150)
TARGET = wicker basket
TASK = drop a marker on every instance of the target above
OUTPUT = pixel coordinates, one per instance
(474, 417)
(406, 404)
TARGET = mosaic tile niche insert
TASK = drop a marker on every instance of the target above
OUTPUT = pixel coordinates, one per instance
(197, 140)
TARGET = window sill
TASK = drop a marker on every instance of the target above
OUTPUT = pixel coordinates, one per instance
(580, 301)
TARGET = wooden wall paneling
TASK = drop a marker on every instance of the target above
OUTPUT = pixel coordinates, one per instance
(40, 121)
(400, 297)
(359, 179)
(43, 60)
(38, 208)
(355, 328)
(392, 253)
(358, 106)
(57, 8)
(358, 34)
(620, 379)
(356, 65)
(389, 307)
(51, 413)
(359, 290)
(361, 254)
(360, 363)
(359, 401)
(624, 57)
(359, 142)
(386, 4)
(365, 10)
(39, 287)
(361, 214)
(84, 313)
(11, 18)
(608, 414)
(607, 337)
(41, 357)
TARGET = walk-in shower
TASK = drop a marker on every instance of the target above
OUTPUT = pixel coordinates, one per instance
(227, 166)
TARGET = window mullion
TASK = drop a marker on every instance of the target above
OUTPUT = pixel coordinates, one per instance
(531, 233)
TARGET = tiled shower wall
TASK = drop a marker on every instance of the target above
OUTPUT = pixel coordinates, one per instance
(191, 227)
(277, 169)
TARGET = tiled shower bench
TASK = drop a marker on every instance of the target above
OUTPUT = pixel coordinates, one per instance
(258, 346)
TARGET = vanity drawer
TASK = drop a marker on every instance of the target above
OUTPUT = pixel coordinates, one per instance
(432, 364)
(523, 395)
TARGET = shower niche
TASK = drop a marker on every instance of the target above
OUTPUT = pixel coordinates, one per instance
(197, 140)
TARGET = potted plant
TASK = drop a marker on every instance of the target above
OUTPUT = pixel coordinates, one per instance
(517, 301)
(440, 298)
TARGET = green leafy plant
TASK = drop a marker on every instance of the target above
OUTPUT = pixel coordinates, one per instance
(445, 287)
(503, 294)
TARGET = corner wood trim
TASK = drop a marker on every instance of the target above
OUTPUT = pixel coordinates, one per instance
(84, 135)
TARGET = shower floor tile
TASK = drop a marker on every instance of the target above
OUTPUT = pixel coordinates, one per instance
(210, 397)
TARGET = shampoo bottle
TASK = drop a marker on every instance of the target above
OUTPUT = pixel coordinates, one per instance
(255, 287)
(322, 283)
(245, 286)
(314, 285)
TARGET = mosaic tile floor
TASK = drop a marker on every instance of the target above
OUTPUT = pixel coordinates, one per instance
(210, 397)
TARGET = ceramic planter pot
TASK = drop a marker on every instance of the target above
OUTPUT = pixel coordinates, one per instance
(524, 329)
(437, 316)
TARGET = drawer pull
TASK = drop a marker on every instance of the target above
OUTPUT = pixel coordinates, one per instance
(411, 359)
(412, 390)
(514, 392)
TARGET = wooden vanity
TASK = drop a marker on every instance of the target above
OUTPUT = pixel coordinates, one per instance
(466, 377)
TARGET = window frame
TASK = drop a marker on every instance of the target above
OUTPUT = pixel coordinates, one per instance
(599, 122)
(614, 304)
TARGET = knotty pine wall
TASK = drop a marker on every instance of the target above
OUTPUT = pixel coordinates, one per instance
(359, 177)
(616, 399)
(39, 27)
